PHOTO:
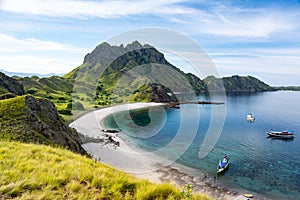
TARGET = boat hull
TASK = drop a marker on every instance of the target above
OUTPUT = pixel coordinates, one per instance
(223, 169)
(283, 135)
(220, 170)
(249, 195)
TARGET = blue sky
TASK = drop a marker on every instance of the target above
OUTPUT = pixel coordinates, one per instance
(258, 38)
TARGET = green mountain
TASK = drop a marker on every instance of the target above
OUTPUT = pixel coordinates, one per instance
(56, 89)
(106, 66)
(10, 87)
(288, 88)
(117, 74)
(35, 120)
(237, 84)
(108, 75)
(50, 87)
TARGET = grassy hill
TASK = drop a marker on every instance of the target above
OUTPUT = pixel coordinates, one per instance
(9, 87)
(112, 74)
(30, 171)
(35, 120)
(119, 74)
(237, 84)
(54, 88)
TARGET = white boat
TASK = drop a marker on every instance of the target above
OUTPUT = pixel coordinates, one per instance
(281, 134)
(250, 118)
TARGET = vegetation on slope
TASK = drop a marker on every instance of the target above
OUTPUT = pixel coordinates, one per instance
(288, 88)
(54, 88)
(132, 73)
(237, 84)
(31, 120)
(116, 74)
(10, 86)
(30, 171)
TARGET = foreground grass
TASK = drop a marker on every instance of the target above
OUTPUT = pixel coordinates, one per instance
(29, 171)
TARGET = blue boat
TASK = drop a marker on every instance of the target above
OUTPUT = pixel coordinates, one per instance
(223, 164)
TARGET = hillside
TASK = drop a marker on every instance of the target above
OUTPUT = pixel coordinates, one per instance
(132, 73)
(32, 171)
(10, 87)
(138, 70)
(35, 120)
(141, 73)
(54, 88)
(288, 88)
(237, 84)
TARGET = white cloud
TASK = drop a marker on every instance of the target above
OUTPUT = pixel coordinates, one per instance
(34, 55)
(37, 64)
(277, 61)
(12, 44)
(215, 18)
(246, 23)
(264, 63)
(73, 8)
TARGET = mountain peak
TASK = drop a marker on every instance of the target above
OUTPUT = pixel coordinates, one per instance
(105, 53)
(133, 46)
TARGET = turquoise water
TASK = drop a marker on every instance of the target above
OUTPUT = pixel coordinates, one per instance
(258, 164)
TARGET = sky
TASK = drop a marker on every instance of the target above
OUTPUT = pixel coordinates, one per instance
(258, 38)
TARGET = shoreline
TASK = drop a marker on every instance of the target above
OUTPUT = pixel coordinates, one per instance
(130, 160)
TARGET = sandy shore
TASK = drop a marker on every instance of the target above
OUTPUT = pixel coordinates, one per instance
(124, 157)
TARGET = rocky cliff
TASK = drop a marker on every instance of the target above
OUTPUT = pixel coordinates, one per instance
(10, 87)
(36, 120)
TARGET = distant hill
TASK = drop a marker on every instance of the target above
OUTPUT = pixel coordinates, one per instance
(116, 74)
(10, 87)
(22, 74)
(288, 88)
(54, 88)
(237, 84)
(113, 62)
(106, 65)
(35, 120)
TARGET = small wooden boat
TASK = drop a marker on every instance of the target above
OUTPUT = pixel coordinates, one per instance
(223, 164)
(281, 134)
(249, 195)
(250, 118)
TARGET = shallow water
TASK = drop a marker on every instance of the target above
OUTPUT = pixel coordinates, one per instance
(258, 164)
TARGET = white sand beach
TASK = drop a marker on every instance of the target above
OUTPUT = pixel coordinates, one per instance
(125, 158)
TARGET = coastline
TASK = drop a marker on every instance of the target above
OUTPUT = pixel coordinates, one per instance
(130, 160)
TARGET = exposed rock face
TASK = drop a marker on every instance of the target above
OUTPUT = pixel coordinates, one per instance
(45, 120)
(143, 65)
(104, 53)
(10, 85)
(34, 120)
(161, 95)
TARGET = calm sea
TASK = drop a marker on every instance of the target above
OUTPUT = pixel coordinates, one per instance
(269, 167)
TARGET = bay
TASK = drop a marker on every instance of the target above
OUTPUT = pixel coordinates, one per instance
(258, 164)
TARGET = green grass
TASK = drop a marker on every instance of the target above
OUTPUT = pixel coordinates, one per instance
(14, 116)
(30, 171)
(35, 120)
(56, 89)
